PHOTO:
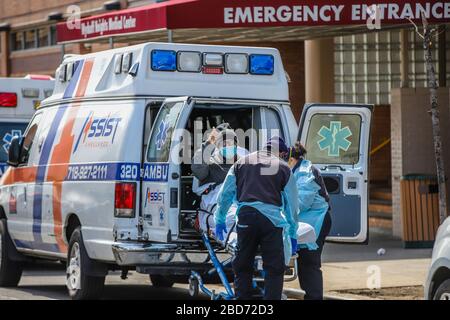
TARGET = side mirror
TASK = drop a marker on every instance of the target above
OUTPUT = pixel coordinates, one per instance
(14, 152)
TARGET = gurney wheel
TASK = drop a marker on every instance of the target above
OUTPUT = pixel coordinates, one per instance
(193, 286)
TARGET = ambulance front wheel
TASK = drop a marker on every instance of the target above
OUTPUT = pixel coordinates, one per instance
(10, 270)
(81, 284)
(193, 286)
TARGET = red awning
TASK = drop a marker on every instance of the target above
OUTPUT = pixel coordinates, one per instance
(209, 14)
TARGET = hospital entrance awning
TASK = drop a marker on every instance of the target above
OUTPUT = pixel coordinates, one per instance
(250, 20)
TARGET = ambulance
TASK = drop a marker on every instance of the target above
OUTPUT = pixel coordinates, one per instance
(19, 98)
(93, 181)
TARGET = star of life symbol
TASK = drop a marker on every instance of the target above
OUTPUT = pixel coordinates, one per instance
(162, 135)
(8, 137)
(334, 138)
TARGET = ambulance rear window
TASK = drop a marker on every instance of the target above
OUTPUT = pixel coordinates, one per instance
(7, 131)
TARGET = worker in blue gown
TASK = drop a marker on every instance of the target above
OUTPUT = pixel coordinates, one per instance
(263, 187)
(314, 209)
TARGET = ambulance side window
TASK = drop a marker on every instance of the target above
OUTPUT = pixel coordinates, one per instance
(150, 114)
(163, 128)
(29, 138)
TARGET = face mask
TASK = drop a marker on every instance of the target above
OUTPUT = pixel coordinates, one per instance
(228, 152)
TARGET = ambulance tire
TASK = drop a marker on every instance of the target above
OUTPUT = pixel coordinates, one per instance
(160, 281)
(10, 270)
(90, 287)
(443, 291)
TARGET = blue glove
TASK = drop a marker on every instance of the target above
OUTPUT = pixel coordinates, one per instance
(294, 246)
(221, 228)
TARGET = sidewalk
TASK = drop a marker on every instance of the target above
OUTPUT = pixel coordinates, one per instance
(354, 266)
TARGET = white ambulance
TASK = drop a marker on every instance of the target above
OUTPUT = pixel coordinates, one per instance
(91, 182)
(19, 98)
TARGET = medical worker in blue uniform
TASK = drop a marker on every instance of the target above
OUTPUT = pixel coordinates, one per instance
(265, 191)
(314, 209)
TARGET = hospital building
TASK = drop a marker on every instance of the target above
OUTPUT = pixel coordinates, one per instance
(345, 52)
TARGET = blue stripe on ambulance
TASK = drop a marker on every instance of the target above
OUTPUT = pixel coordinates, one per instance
(45, 155)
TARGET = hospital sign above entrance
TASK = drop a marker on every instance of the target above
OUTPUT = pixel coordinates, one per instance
(208, 14)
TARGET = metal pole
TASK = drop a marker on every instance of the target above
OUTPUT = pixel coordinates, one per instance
(111, 43)
(169, 36)
(442, 50)
(63, 51)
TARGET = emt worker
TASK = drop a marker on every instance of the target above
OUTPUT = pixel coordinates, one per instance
(267, 200)
(314, 210)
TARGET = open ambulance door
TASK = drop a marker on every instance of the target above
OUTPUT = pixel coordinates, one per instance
(160, 198)
(337, 140)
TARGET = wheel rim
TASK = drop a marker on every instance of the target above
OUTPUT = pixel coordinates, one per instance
(445, 296)
(74, 268)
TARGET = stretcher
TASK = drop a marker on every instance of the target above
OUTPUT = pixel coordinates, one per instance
(206, 226)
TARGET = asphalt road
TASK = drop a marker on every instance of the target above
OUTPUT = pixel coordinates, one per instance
(47, 282)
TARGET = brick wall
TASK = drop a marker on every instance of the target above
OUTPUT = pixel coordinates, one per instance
(412, 140)
(380, 162)
(17, 12)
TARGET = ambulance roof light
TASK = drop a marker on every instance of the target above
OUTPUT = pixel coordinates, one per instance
(69, 71)
(62, 72)
(127, 60)
(30, 92)
(213, 59)
(236, 63)
(118, 63)
(261, 64)
(8, 99)
(164, 60)
(189, 61)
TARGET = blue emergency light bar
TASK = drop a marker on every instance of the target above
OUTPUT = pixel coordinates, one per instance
(164, 60)
(261, 64)
(234, 63)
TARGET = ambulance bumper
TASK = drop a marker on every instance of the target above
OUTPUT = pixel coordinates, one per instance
(137, 253)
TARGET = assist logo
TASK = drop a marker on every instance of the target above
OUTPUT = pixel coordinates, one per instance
(154, 197)
(8, 137)
(98, 132)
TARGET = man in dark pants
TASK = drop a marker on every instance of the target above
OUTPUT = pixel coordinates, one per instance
(261, 182)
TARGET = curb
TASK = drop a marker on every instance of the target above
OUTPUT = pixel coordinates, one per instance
(299, 294)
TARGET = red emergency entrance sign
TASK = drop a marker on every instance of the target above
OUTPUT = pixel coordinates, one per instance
(186, 14)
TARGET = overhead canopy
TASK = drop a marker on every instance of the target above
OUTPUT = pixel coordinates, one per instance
(234, 20)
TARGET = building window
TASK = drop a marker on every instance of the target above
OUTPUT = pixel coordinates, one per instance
(33, 38)
(43, 37)
(367, 66)
(30, 39)
(17, 41)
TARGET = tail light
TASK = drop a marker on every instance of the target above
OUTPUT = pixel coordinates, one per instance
(125, 200)
(8, 99)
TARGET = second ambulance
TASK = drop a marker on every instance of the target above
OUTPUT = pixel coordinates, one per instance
(92, 183)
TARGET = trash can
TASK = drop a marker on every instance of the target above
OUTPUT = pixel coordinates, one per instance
(420, 210)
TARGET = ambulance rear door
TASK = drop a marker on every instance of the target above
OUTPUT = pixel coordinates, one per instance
(161, 171)
(337, 140)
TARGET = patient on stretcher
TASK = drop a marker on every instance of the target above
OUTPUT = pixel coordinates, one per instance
(205, 220)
